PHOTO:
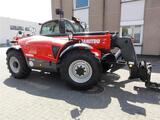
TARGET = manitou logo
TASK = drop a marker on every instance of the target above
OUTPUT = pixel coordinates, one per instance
(91, 41)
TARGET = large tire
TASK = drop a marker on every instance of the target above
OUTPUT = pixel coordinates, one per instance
(17, 64)
(80, 69)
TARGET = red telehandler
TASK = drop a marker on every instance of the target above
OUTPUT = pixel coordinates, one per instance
(80, 57)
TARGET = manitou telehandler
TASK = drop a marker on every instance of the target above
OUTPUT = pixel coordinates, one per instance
(80, 57)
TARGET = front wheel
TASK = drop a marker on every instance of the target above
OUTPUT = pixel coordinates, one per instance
(17, 64)
(81, 70)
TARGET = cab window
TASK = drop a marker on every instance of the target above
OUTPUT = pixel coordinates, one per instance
(69, 27)
(50, 28)
(73, 26)
(78, 27)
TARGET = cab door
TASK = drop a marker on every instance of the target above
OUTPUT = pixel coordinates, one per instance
(51, 28)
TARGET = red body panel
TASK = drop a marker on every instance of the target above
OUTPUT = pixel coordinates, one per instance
(40, 47)
(96, 41)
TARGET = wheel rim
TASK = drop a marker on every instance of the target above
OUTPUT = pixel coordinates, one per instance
(80, 71)
(14, 64)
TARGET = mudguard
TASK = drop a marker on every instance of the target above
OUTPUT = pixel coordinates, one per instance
(16, 47)
(81, 46)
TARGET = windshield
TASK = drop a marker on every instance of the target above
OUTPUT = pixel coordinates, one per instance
(50, 28)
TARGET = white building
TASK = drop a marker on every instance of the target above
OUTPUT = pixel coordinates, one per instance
(136, 18)
(10, 27)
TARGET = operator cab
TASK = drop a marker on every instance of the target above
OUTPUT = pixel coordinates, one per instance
(61, 27)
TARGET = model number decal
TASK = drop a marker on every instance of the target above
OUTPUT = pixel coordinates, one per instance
(29, 55)
(91, 41)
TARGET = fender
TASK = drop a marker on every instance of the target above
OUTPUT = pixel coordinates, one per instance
(16, 47)
(81, 46)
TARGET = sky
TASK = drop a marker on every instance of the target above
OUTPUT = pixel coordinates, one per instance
(30, 10)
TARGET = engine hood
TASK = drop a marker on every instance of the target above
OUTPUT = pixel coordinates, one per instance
(43, 40)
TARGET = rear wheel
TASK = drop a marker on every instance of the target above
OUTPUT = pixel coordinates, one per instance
(80, 70)
(17, 64)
